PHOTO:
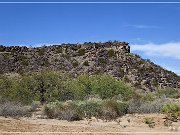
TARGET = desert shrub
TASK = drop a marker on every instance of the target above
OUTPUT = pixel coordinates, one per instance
(81, 52)
(63, 111)
(13, 51)
(137, 84)
(111, 109)
(133, 55)
(86, 81)
(67, 93)
(102, 61)
(111, 53)
(126, 79)
(45, 63)
(80, 88)
(48, 86)
(13, 110)
(141, 106)
(122, 108)
(49, 112)
(70, 112)
(2, 49)
(86, 63)
(172, 111)
(104, 86)
(75, 64)
(35, 105)
(154, 82)
(107, 87)
(90, 108)
(121, 71)
(25, 62)
(43, 86)
(13, 89)
(76, 110)
(105, 109)
(59, 50)
(168, 92)
(149, 121)
(41, 51)
(6, 56)
(149, 97)
(73, 90)
(21, 57)
(64, 55)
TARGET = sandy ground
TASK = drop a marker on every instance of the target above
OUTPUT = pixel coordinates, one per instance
(34, 126)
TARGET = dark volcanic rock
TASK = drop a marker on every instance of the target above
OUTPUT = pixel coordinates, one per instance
(110, 57)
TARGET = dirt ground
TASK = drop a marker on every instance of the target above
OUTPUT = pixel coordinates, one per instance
(136, 126)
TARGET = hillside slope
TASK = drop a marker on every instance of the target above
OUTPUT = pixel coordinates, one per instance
(110, 57)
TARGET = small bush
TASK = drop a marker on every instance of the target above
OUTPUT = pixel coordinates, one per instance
(91, 109)
(59, 50)
(2, 49)
(126, 79)
(149, 97)
(168, 92)
(112, 109)
(35, 105)
(64, 55)
(76, 110)
(49, 112)
(81, 52)
(63, 111)
(172, 111)
(111, 53)
(102, 61)
(75, 64)
(148, 120)
(46, 63)
(141, 106)
(6, 56)
(69, 112)
(21, 57)
(141, 61)
(13, 110)
(41, 51)
(86, 63)
(25, 62)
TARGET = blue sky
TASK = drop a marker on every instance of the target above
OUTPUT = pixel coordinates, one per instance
(152, 30)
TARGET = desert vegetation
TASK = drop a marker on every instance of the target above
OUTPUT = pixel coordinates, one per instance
(83, 96)
(64, 97)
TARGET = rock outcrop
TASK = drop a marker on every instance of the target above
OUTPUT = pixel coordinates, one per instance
(110, 57)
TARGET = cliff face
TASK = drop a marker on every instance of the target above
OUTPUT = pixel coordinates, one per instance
(110, 57)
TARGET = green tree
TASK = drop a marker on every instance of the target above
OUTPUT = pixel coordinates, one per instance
(47, 84)
(107, 87)
(80, 87)
(13, 89)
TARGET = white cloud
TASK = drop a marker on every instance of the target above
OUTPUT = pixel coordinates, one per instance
(171, 50)
(174, 69)
(141, 26)
(177, 72)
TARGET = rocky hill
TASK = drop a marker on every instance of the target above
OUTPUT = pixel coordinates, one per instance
(110, 57)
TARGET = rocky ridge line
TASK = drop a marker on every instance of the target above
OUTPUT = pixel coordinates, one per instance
(110, 57)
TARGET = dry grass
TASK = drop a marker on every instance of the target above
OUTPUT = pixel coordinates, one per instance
(13, 110)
